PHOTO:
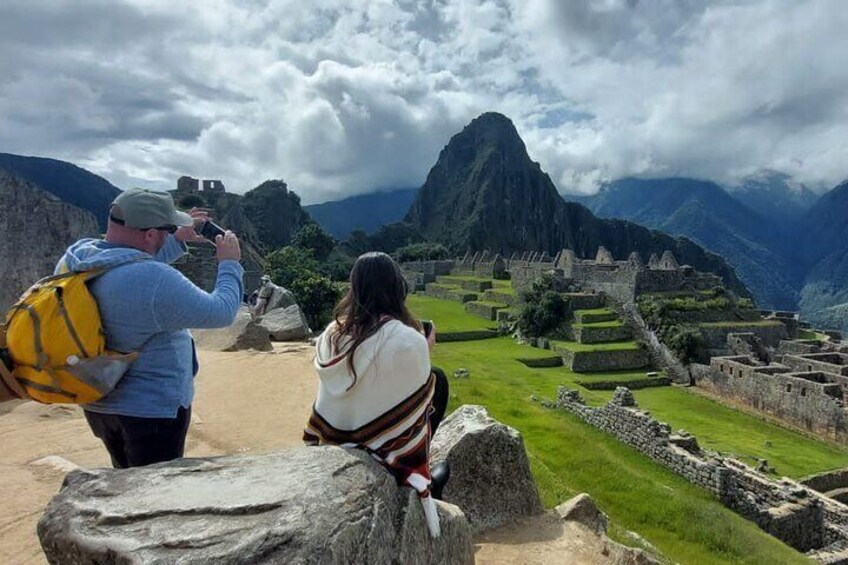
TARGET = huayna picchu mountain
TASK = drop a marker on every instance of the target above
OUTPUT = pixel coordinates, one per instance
(485, 192)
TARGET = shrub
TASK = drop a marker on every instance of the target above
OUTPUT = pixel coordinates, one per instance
(288, 264)
(422, 252)
(685, 340)
(315, 239)
(316, 295)
(542, 310)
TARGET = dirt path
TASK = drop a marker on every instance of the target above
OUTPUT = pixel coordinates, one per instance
(246, 402)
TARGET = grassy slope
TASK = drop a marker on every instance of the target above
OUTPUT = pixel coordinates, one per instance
(449, 316)
(569, 457)
(718, 427)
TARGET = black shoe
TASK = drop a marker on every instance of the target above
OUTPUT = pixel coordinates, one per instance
(439, 477)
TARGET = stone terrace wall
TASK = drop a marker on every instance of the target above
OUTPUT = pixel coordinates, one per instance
(813, 401)
(201, 267)
(784, 509)
(715, 337)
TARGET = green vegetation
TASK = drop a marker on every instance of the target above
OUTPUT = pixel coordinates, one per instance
(295, 269)
(720, 428)
(568, 457)
(542, 311)
(422, 252)
(313, 238)
(449, 316)
(812, 334)
(608, 346)
(612, 324)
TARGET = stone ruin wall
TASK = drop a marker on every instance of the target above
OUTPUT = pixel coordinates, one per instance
(801, 390)
(785, 509)
(200, 266)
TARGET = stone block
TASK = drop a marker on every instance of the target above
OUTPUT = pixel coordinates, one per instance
(307, 505)
(490, 473)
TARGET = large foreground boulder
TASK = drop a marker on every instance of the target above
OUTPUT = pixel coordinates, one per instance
(490, 474)
(321, 505)
(243, 333)
(286, 324)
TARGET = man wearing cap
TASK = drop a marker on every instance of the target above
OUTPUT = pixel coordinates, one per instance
(270, 297)
(148, 306)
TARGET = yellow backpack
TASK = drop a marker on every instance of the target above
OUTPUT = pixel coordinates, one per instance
(56, 345)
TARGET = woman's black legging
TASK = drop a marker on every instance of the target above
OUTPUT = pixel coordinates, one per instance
(440, 399)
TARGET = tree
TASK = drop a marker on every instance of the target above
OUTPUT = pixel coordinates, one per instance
(313, 237)
(316, 295)
(288, 264)
(422, 252)
(542, 310)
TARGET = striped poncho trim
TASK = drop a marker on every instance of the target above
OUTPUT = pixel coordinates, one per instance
(399, 439)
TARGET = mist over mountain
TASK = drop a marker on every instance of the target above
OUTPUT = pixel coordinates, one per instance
(66, 181)
(774, 197)
(752, 243)
(822, 247)
(485, 192)
(365, 212)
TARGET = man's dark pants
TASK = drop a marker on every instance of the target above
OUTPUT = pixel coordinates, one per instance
(133, 442)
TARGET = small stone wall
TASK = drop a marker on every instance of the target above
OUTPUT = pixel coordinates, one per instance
(603, 361)
(835, 363)
(434, 268)
(493, 295)
(784, 509)
(715, 337)
(488, 311)
(472, 335)
(649, 382)
(448, 293)
(588, 334)
(824, 482)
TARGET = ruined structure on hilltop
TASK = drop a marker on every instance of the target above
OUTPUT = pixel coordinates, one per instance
(189, 185)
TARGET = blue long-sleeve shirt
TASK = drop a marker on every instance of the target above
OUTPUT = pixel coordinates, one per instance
(148, 306)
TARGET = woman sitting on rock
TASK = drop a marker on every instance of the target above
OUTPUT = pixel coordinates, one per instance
(376, 388)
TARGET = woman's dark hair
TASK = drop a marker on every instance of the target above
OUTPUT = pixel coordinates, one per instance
(377, 293)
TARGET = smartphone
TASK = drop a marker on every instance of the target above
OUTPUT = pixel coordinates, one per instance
(428, 327)
(210, 230)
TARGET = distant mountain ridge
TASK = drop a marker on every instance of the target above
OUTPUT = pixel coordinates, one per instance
(68, 182)
(707, 214)
(485, 192)
(364, 212)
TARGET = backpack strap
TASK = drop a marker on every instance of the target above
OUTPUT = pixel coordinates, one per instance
(6, 376)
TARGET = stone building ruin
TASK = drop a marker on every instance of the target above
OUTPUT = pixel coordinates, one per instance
(788, 510)
(807, 390)
(189, 185)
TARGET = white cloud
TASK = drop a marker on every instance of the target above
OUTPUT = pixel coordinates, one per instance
(361, 95)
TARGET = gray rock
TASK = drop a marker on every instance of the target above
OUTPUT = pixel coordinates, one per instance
(316, 505)
(620, 554)
(286, 324)
(582, 509)
(37, 228)
(490, 474)
(243, 333)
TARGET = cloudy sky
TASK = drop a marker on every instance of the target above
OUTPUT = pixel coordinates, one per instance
(340, 97)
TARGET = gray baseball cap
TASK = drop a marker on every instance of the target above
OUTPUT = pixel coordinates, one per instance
(140, 208)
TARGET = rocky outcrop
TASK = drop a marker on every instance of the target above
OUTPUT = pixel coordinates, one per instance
(582, 509)
(490, 474)
(286, 324)
(321, 505)
(37, 228)
(243, 333)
